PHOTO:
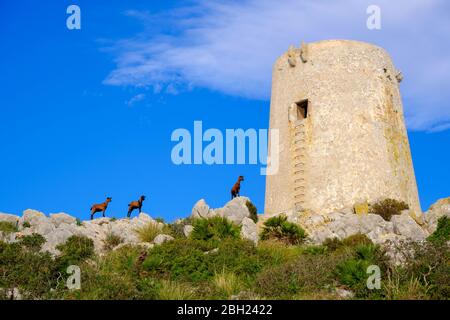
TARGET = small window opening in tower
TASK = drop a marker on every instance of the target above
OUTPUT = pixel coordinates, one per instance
(302, 109)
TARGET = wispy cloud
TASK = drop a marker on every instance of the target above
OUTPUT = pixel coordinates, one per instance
(135, 99)
(230, 47)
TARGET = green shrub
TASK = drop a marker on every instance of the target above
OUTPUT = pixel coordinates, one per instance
(33, 273)
(352, 272)
(26, 224)
(308, 273)
(214, 229)
(75, 250)
(33, 242)
(111, 241)
(272, 253)
(176, 229)
(159, 219)
(315, 250)
(352, 241)
(253, 211)
(79, 223)
(113, 219)
(179, 260)
(195, 260)
(332, 244)
(442, 233)
(7, 227)
(356, 240)
(388, 207)
(430, 263)
(148, 232)
(279, 228)
(113, 276)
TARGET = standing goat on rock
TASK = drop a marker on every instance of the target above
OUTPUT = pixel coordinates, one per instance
(100, 207)
(237, 188)
(135, 205)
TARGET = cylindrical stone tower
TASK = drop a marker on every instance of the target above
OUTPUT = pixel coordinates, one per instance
(343, 139)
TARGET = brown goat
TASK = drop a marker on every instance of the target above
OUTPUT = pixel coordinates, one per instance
(100, 207)
(135, 205)
(237, 188)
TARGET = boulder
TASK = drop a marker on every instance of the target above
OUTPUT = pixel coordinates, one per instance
(11, 218)
(200, 210)
(38, 222)
(33, 217)
(235, 210)
(161, 238)
(346, 226)
(187, 230)
(406, 226)
(57, 237)
(62, 218)
(249, 230)
(439, 209)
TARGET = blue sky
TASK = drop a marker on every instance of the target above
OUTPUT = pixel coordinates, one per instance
(89, 113)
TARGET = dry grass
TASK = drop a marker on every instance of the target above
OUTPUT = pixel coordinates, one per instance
(227, 282)
(148, 232)
(174, 291)
(410, 290)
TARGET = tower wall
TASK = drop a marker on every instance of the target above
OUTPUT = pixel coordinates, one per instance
(353, 145)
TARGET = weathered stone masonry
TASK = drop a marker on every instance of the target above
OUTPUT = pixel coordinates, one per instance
(343, 140)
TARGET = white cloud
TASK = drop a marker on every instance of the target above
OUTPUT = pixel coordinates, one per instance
(230, 47)
(135, 99)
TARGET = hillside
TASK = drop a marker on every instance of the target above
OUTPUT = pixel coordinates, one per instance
(223, 254)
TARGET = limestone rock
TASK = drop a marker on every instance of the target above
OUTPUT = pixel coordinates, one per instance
(344, 294)
(187, 230)
(406, 226)
(235, 210)
(59, 218)
(33, 217)
(161, 238)
(200, 210)
(249, 230)
(38, 222)
(439, 209)
(6, 217)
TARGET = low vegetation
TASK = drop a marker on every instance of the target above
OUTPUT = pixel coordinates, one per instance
(215, 263)
(214, 229)
(388, 208)
(112, 240)
(278, 228)
(7, 227)
(442, 233)
(253, 211)
(148, 232)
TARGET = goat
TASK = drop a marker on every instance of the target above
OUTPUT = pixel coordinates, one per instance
(100, 207)
(237, 188)
(135, 205)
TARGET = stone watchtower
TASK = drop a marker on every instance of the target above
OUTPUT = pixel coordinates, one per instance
(343, 140)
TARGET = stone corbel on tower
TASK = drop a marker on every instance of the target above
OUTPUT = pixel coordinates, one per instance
(399, 76)
(291, 57)
(304, 52)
